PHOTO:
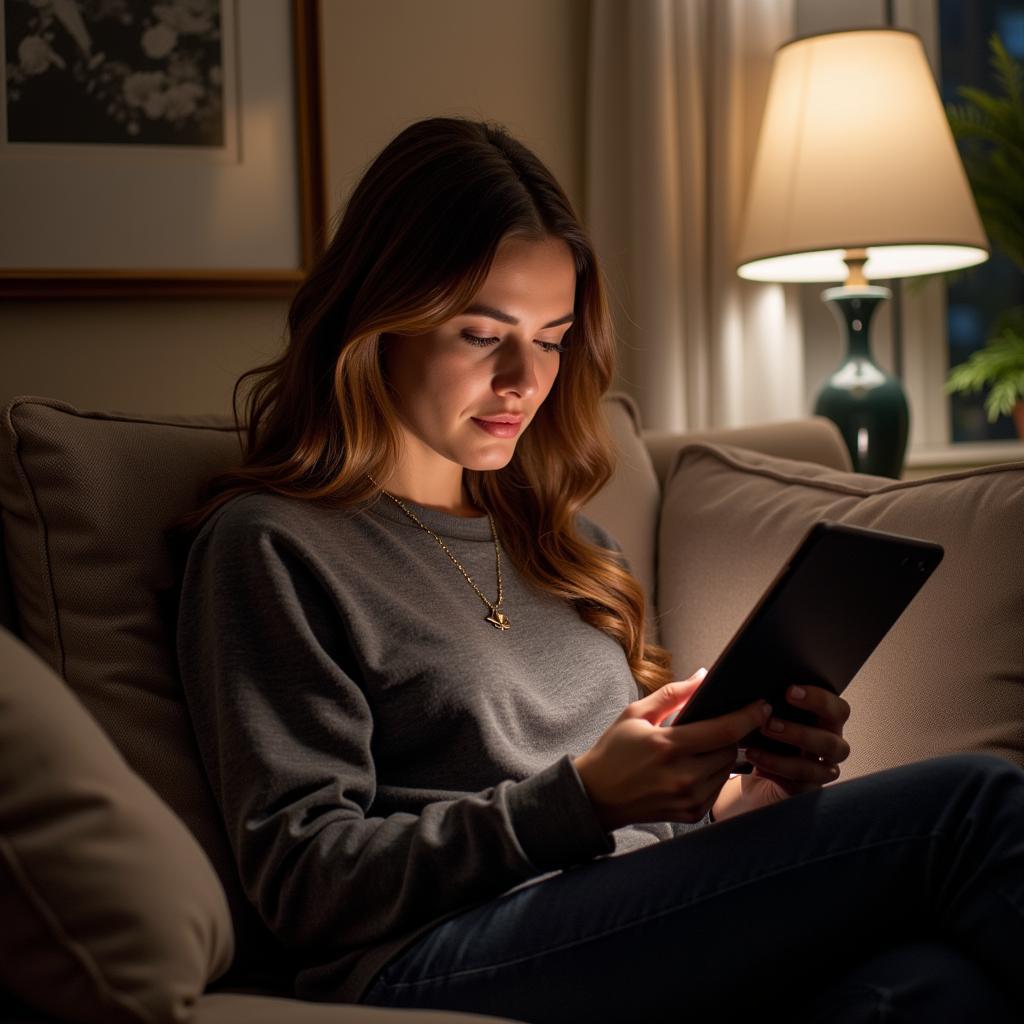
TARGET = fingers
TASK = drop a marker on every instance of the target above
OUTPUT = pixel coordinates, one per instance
(822, 745)
(819, 743)
(657, 706)
(723, 731)
(832, 711)
(785, 769)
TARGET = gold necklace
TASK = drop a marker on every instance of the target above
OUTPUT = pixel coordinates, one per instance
(497, 618)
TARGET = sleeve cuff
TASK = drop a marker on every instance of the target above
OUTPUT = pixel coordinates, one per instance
(682, 827)
(554, 820)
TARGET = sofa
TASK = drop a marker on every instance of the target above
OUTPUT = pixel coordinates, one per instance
(118, 895)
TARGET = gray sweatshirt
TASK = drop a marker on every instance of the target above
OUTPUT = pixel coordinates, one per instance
(383, 756)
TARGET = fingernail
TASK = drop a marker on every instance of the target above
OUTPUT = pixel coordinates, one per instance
(776, 726)
(798, 693)
(766, 708)
(700, 673)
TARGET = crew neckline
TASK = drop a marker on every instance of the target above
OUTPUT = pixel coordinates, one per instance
(443, 523)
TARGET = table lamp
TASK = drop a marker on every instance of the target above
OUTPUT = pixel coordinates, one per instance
(857, 177)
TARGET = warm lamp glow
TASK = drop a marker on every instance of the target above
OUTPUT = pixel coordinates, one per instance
(855, 152)
(883, 262)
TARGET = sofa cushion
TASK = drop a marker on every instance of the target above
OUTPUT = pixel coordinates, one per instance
(110, 909)
(86, 497)
(949, 675)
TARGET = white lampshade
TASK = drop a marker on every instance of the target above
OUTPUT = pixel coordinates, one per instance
(855, 152)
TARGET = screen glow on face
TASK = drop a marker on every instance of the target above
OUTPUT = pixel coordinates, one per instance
(499, 356)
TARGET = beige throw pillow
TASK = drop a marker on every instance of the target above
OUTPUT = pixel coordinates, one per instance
(86, 496)
(949, 676)
(110, 910)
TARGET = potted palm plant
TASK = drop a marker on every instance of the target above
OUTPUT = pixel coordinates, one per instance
(992, 128)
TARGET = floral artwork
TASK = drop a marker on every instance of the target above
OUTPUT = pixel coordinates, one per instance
(114, 72)
(160, 148)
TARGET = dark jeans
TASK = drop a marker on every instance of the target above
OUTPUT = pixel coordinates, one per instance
(898, 896)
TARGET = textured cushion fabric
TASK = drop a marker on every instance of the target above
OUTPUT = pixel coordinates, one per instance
(111, 911)
(949, 675)
(86, 497)
(811, 439)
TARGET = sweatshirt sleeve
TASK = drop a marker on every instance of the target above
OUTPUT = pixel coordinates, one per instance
(285, 733)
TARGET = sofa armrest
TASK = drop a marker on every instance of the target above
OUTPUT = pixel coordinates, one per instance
(812, 439)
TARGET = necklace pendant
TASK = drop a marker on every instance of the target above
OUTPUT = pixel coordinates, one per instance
(499, 620)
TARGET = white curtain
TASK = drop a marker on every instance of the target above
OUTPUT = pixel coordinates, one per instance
(676, 89)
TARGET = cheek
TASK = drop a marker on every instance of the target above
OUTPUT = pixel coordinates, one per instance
(446, 387)
(455, 378)
(552, 374)
(430, 373)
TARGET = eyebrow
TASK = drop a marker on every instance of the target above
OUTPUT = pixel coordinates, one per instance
(507, 318)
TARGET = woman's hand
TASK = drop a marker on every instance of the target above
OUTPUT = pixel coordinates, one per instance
(638, 771)
(778, 776)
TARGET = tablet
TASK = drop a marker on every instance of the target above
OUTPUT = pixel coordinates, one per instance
(828, 608)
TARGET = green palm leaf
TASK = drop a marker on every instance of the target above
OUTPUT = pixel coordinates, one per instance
(1000, 363)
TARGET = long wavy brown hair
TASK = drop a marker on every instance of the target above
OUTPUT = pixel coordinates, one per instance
(414, 245)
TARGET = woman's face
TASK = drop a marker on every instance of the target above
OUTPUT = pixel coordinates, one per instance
(444, 378)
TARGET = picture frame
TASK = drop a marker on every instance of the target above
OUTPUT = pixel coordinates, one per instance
(246, 219)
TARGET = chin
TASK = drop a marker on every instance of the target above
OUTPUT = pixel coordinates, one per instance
(494, 459)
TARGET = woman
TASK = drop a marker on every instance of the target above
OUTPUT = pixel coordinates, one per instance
(447, 800)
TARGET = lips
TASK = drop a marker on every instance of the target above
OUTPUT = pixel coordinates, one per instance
(498, 428)
(499, 419)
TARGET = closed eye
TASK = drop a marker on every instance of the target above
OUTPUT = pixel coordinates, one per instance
(548, 346)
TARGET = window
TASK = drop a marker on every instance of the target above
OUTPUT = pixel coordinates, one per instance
(976, 298)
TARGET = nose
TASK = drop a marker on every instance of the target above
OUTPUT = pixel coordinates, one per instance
(515, 373)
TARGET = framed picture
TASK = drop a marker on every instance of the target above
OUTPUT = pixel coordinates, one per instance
(155, 149)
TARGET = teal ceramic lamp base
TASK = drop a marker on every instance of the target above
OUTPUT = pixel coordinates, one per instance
(867, 404)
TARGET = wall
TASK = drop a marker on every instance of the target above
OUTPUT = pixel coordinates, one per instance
(385, 64)
(390, 63)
